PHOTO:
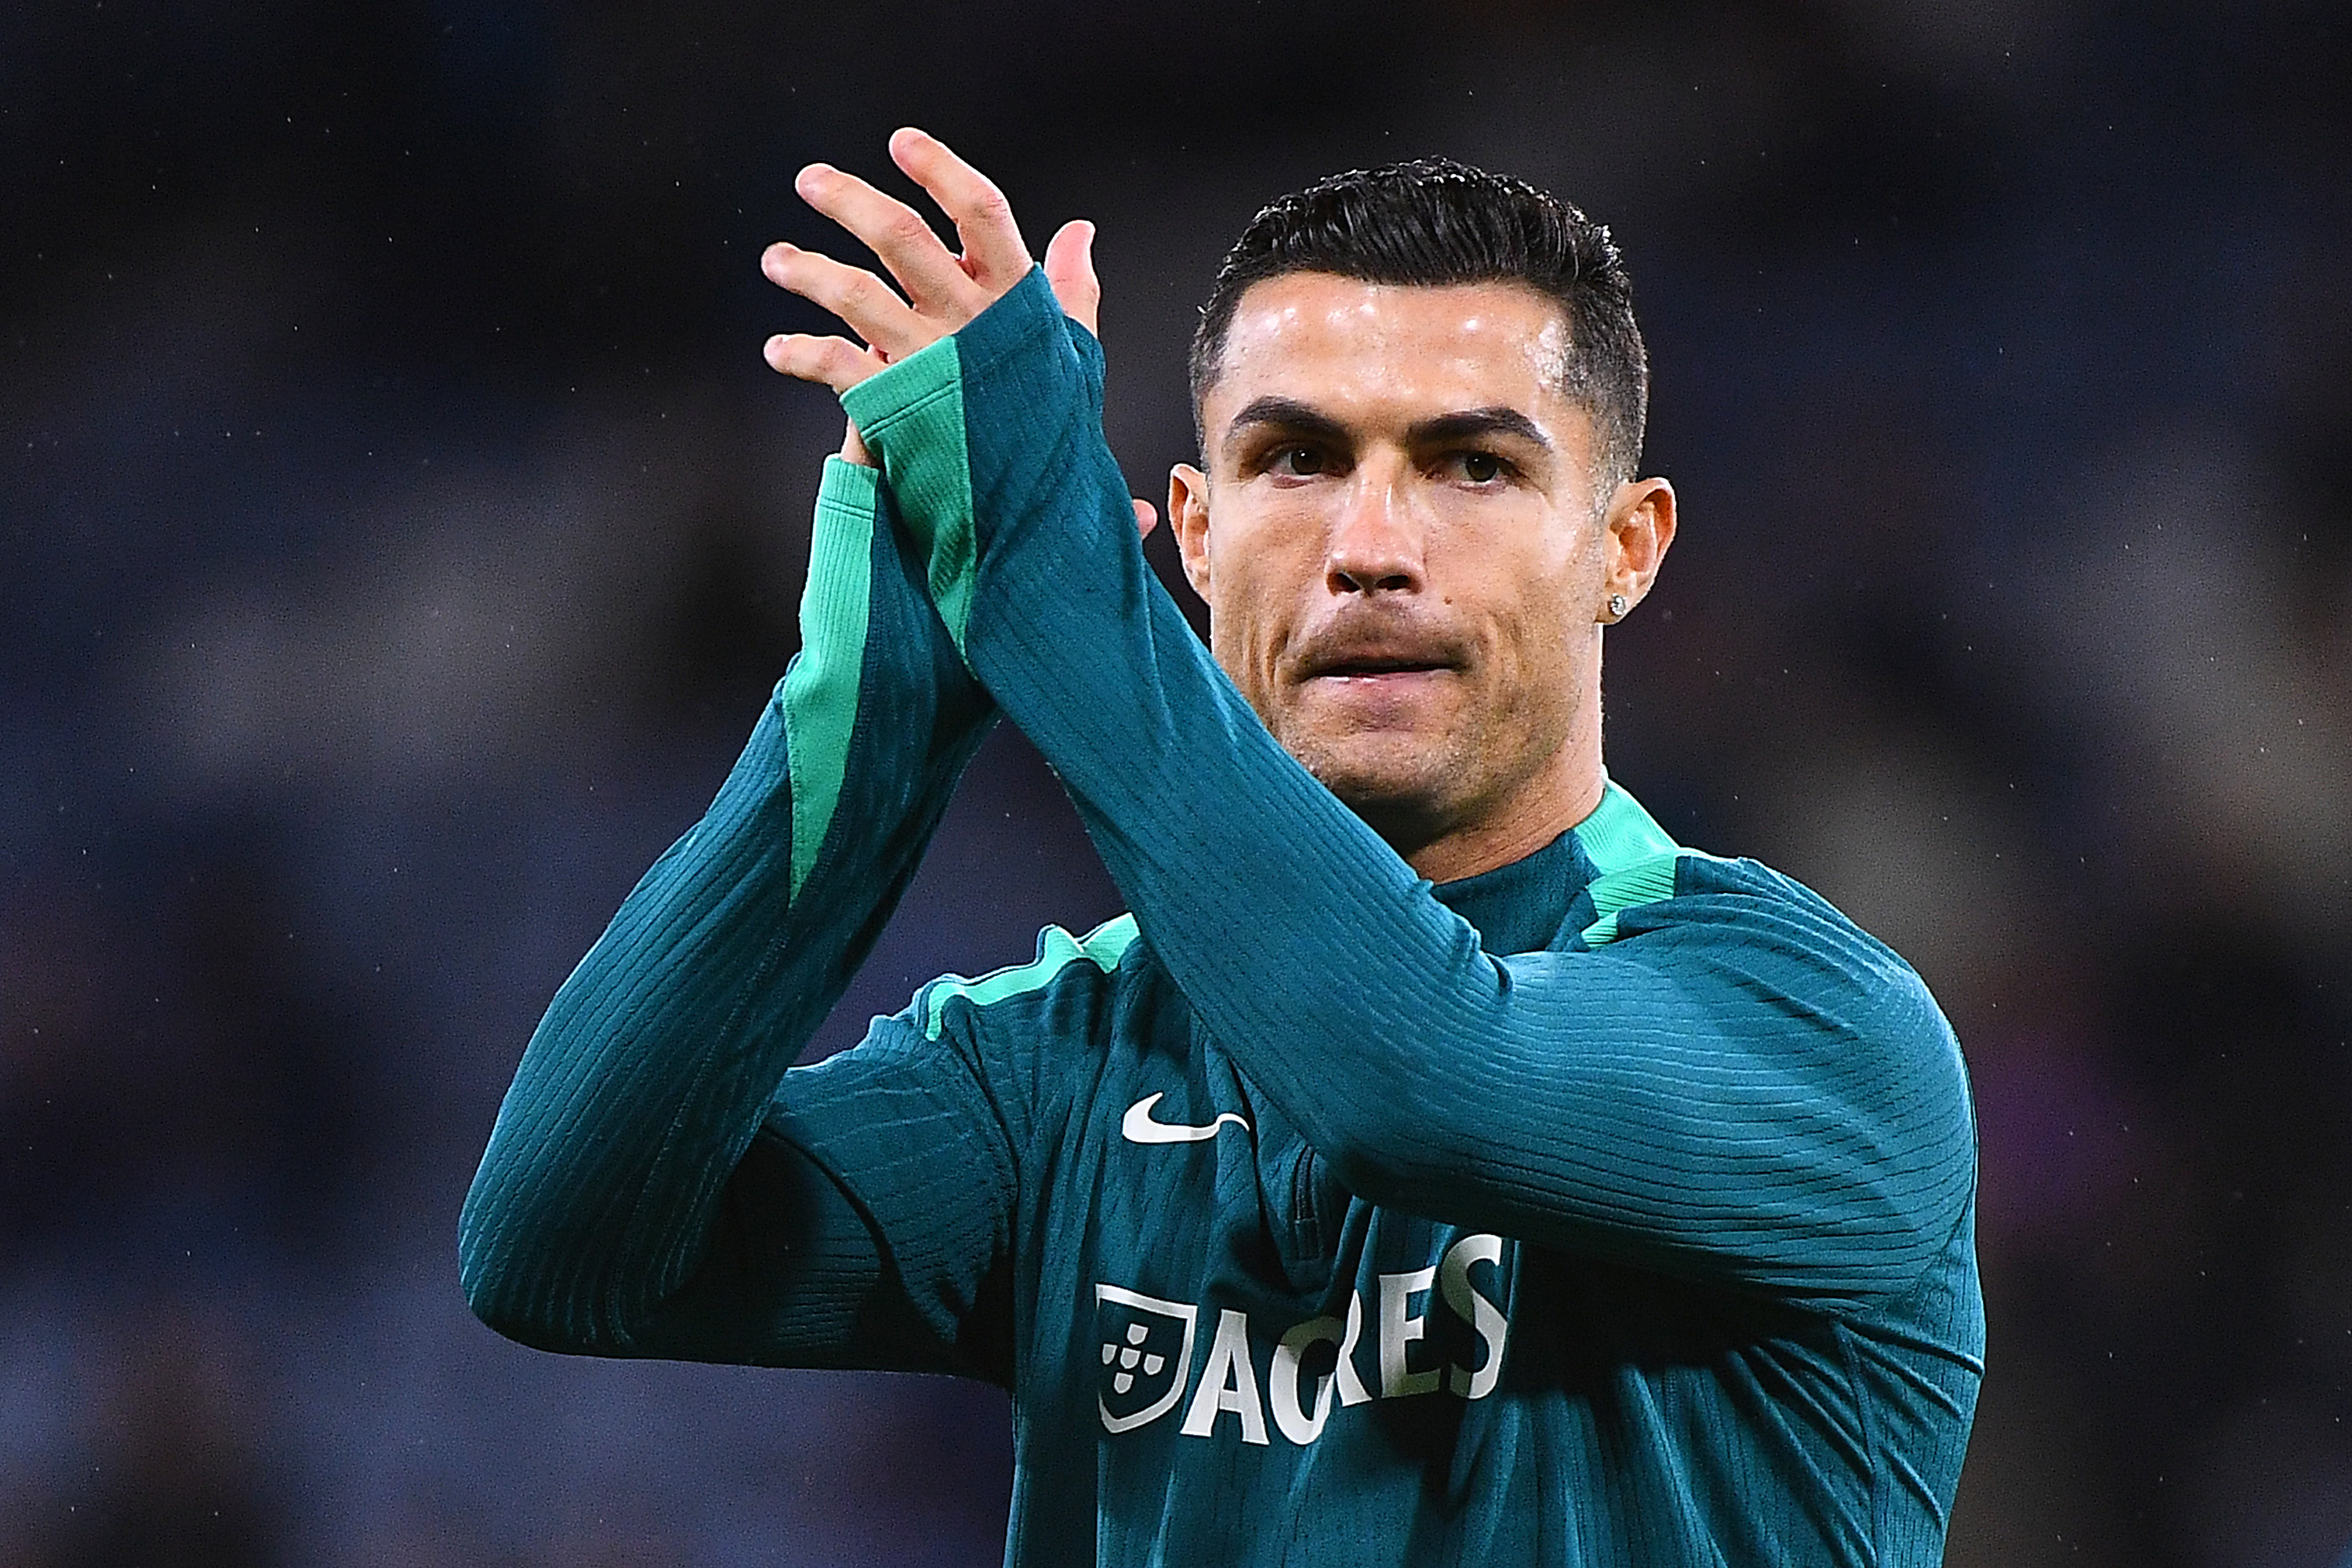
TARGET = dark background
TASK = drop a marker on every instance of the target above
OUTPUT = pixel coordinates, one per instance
(401, 533)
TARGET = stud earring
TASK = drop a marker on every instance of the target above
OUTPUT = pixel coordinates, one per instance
(1618, 605)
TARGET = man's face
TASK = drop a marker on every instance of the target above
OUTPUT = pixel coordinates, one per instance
(1401, 545)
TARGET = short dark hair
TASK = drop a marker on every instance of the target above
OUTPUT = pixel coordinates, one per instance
(1435, 222)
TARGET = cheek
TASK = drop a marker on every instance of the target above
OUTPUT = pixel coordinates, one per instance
(1519, 572)
(1260, 572)
(1540, 642)
(1534, 653)
(1245, 620)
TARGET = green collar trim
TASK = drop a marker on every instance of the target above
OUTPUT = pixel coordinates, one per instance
(1633, 861)
(1619, 833)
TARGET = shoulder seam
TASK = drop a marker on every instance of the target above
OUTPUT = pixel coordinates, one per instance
(1103, 947)
(1643, 881)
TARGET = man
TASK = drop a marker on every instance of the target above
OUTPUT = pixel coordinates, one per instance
(1606, 1203)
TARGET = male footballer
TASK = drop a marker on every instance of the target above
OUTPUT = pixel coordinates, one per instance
(1439, 1166)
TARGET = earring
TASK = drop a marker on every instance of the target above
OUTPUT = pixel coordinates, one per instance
(1618, 605)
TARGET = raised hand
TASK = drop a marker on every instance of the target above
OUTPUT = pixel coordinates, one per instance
(939, 291)
(942, 290)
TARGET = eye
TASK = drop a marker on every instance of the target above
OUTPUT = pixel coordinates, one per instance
(1478, 467)
(1296, 461)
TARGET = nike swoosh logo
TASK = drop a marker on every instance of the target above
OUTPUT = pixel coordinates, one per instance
(1138, 1127)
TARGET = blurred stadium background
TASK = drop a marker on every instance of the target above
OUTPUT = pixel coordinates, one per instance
(399, 532)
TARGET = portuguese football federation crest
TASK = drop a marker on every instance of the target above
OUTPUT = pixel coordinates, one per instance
(1146, 1351)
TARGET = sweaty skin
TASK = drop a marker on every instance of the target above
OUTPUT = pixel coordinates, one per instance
(1405, 561)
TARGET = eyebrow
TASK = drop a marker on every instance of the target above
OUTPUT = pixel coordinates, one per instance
(1289, 413)
(1474, 422)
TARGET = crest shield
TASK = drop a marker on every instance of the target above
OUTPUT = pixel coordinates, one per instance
(1145, 1352)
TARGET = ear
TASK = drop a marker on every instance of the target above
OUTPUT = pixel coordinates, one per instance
(1188, 515)
(1639, 529)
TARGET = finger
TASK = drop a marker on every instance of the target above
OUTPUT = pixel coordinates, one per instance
(993, 252)
(868, 304)
(1146, 517)
(835, 363)
(934, 280)
(1070, 268)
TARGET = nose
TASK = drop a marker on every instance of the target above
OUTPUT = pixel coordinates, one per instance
(1376, 541)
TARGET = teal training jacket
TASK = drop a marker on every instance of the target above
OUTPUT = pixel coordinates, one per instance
(1612, 1207)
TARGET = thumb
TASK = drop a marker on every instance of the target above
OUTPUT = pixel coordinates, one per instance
(1070, 268)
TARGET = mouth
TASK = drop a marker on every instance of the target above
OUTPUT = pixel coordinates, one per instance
(1379, 669)
(1371, 649)
(1375, 670)
(1384, 669)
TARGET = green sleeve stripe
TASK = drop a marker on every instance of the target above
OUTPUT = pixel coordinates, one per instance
(1642, 882)
(911, 415)
(1056, 950)
(1620, 833)
(820, 694)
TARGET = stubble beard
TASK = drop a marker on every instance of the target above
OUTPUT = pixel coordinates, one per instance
(1413, 787)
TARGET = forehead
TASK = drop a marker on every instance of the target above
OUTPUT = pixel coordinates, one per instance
(1377, 352)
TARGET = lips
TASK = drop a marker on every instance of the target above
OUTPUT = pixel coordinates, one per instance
(1390, 681)
(1376, 665)
(1345, 654)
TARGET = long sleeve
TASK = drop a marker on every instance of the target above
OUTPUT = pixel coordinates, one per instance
(622, 1206)
(1737, 1084)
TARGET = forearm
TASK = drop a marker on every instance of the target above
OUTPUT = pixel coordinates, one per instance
(1632, 1103)
(643, 1087)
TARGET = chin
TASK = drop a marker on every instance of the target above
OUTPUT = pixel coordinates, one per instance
(1410, 796)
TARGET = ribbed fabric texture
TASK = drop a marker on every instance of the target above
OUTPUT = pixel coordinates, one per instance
(1612, 1207)
(1726, 1086)
(640, 1092)
(1521, 1095)
(820, 693)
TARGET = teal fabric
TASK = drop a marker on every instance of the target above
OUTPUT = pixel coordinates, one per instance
(923, 412)
(820, 691)
(1332, 1218)
(1620, 833)
(1103, 947)
(639, 1093)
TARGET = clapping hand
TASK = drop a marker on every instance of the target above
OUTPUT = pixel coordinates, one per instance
(939, 290)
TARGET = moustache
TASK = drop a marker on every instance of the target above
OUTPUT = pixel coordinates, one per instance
(1377, 642)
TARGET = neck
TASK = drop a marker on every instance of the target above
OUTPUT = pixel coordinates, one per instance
(1556, 801)
(1561, 792)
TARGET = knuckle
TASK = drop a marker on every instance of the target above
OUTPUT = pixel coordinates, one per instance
(833, 288)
